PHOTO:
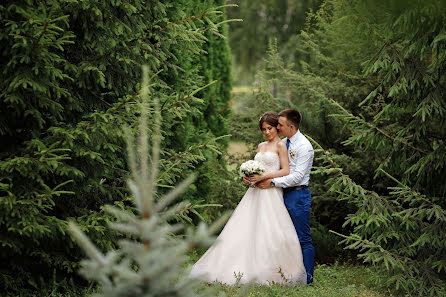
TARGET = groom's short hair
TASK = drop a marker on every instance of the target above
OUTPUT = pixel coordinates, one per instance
(293, 116)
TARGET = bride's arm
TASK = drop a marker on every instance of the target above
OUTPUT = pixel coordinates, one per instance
(284, 165)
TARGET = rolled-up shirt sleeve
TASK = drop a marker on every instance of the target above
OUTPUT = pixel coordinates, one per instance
(304, 161)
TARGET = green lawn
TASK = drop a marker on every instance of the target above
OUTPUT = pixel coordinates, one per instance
(330, 281)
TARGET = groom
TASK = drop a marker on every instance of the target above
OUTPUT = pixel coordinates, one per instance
(296, 195)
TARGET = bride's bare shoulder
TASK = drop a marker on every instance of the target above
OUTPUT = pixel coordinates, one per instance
(260, 145)
(280, 145)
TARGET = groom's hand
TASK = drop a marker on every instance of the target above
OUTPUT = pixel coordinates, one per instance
(264, 184)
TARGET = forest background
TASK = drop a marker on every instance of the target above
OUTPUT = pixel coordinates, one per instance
(368, 76)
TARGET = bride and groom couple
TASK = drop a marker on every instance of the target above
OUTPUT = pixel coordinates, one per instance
(267, 239)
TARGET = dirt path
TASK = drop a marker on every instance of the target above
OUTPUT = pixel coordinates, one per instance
(237, 147)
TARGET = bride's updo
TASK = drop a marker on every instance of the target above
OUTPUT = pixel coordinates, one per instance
(270, 118)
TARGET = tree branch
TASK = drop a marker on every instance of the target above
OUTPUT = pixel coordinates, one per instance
(376, 128)
(36, 43)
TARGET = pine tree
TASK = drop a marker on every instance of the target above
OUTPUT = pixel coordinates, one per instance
(378, 68)
(71, 72)
(263, 21)
(151, 264)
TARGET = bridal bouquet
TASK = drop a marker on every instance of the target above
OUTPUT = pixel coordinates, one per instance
(251, 167)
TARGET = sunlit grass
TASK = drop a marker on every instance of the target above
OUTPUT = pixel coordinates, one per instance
(330, 281)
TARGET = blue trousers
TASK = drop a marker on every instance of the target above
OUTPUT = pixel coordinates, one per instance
(298, 204)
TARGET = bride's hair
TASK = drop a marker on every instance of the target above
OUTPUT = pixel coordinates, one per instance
(270, 118)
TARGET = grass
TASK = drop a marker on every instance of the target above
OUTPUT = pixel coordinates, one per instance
(330, 281)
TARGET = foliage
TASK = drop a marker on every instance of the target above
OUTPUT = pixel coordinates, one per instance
(382, 77)
(151, 264)
(70, 72)
(264, 20)
(394, 231)
(230, 190)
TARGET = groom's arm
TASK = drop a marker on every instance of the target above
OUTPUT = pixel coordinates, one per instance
(264, 184)
(304, 162)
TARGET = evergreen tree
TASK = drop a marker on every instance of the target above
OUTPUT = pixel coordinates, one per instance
(150, 265)
(70, 73)
(263, 21)
(378, 68)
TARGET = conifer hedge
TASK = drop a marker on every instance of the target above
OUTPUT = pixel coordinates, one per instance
(70, 80)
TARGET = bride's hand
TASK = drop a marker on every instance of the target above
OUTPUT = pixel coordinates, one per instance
(255, 178)
(246, 180)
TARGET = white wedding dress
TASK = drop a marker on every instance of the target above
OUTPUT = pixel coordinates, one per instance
(258, 243)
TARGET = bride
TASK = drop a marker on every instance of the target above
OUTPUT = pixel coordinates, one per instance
(259, 243)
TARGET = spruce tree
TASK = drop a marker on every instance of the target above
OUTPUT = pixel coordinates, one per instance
(264, 21)
(71, 72)
(151, 264)
(377, 69)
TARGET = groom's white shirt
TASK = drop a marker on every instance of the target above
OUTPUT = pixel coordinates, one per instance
(300, 154)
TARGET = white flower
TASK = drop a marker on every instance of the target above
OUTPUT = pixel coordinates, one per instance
(251, 167)
(293, 153)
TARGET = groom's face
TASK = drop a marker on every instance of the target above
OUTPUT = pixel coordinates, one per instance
(283, 127)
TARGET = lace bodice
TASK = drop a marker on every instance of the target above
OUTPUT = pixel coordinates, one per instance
(270, 160)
